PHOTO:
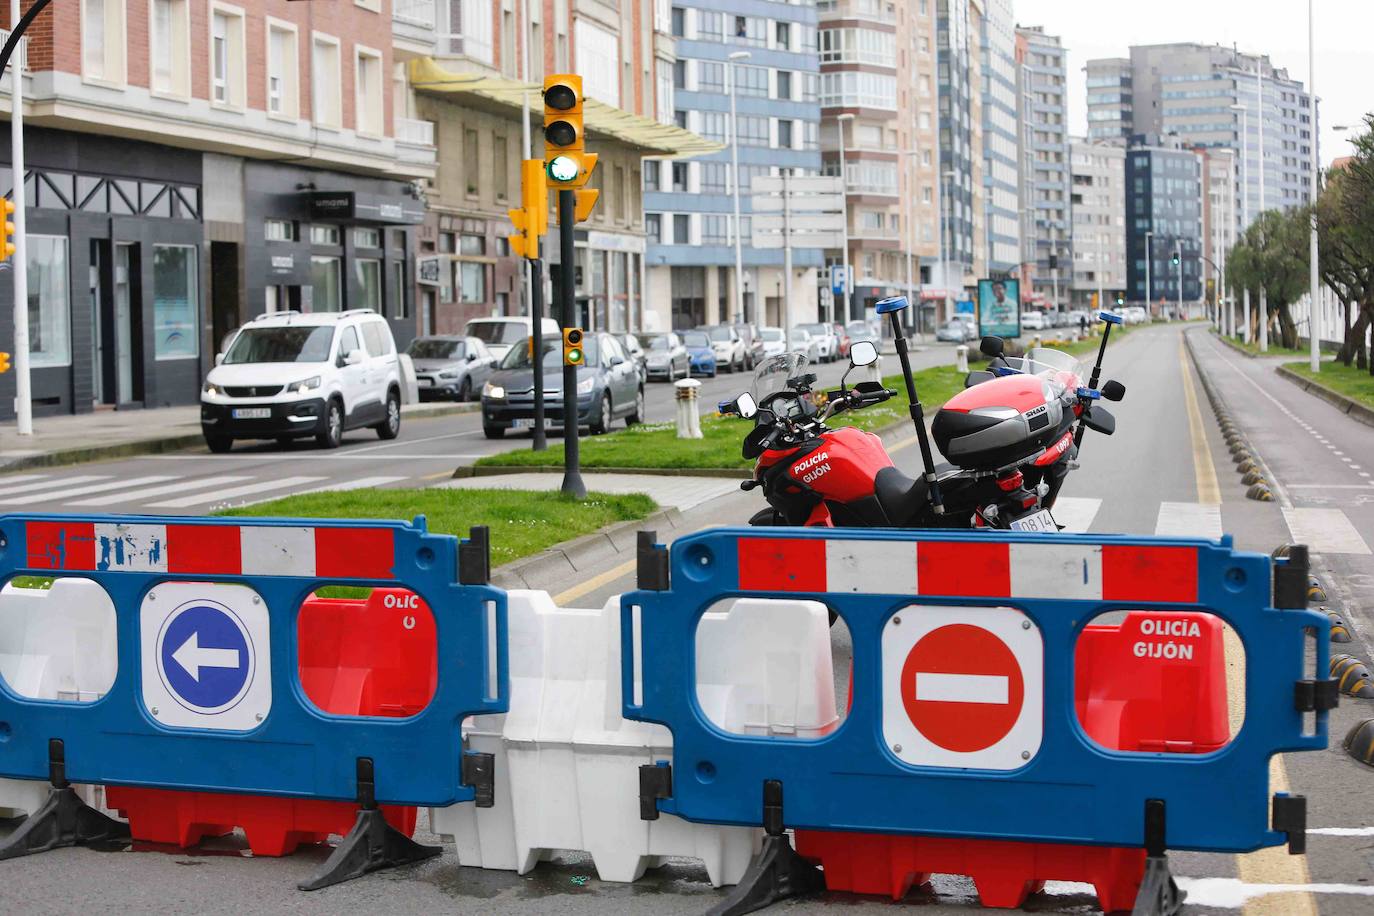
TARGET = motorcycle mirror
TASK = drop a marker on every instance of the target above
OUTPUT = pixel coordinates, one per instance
(1113, 390)
(863, 353)
(746, 406)
(992, 346)
(891, 304)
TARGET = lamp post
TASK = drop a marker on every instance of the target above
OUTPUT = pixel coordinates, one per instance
(1313, 330)
(1244, 205)
(910, 241)
(840, 121)
(1149, 259)
(1259, 112)
(946, 243)
(735, 57)
(1178, 262)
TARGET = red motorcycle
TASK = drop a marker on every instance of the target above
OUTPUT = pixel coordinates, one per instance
(1010, 439)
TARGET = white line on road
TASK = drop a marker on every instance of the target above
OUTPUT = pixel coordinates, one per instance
(222, 495)
(181, 486)
(49, 484)
(1325, 531)
(62, 496)
(1341, 831)
(1076, 513)
(1189, 520)
(340, 486)
(1232, 893)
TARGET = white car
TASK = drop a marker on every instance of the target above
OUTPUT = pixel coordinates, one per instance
(728, 347)
(1135, 314)
(827, 341)
(774, 342)
(1031, 320)
(500, 334)
(287, 376)
(802, 342)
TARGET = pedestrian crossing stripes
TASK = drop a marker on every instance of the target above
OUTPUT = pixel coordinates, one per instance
(281, 483)
(1189, 520)
(161, 492)
(179, 486)
(1076, 513)
(1325, 531)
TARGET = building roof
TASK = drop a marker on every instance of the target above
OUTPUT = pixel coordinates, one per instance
(645, 134)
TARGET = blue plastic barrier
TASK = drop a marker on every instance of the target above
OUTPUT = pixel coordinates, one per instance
(201, 703)
(1043, 779)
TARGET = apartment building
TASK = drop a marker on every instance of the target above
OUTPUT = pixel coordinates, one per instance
(1164, 223)
(191, 164)
(764, 53)
(1046, 231)
(1001, 169)
(960, 142)
(1098, 204)
(1111, 101)
(1220, 201)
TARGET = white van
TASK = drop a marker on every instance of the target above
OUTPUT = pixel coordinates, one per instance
(500, 334)
(286, 376)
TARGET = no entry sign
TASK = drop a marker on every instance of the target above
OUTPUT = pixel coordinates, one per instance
(963, 687)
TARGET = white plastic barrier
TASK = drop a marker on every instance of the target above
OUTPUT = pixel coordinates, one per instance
(567, 763)
(56, 643)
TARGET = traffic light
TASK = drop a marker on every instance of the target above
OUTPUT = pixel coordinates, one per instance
(572, 347)
(531, 219)
(1174, 260)
(4, 362)
(6, 239)
(566, 160)
(1120, 298)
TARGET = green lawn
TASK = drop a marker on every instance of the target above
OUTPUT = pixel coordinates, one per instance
(1274, 349)
(1351, 381)
(657, 446)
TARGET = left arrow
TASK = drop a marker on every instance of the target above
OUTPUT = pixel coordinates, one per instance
(192, 657)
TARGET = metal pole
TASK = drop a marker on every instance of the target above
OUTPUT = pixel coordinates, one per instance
(23, 403)
(910, 242)
(1178, 253)
(537, 332)
(567, 296)
(844, 206)
(1259, 104)
(734, 159)
(1244, 208)
(1149, 257)
(946, 230)
(1313, 330)
(529, 271)
(786, 256)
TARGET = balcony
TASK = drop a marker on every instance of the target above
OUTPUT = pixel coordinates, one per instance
(414, 24)
(415, 141)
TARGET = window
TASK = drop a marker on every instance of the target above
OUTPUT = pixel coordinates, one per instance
(501, 168)
(653, 227)
(471, 161)
(679, 22)
(279, 230)
(367, 238)
(401, 302)
(651, 168)
(471, 26)
(102, 40)
(785, 134)
(283, 96)
(472, 245)
(367, 84)
(715, 230)
(472, 281)
(170, 63)
(679, 176)
(348, 341)
(679, 74)
(324, 285)
(713, 125)
(622, 194)
(784, 35)
(682, 228)
(176, 301)
(715, 177)
(710, 25)
(226, 57)
(325, 82)
(324, 234)
(752, 81)
(710, 76)
(49, 302)
(367, 272)
(785, 84)
(598, 59)
(753, 130)
(854, 89)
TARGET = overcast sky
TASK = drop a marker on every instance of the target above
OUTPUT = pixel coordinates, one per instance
(1345, 44)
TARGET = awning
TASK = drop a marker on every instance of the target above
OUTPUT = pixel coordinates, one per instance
(645, 134)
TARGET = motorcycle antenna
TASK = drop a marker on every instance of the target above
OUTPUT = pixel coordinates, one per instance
(1109, 319)
(893, 307)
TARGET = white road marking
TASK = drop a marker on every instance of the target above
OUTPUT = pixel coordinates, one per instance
(1076, 513)
(1325, 531)
(1233, 893)
(49, 484)
(961, 688)
(339, 486)
(223, 495)
(181, 486)
(1341, 831)
(1189, 520)
(62, 496)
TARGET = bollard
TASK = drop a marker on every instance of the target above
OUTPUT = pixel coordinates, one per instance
(961, 358)
(688, 421)
(873, 372)
(1035, 341)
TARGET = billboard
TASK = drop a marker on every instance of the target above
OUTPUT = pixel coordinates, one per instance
(999, 308)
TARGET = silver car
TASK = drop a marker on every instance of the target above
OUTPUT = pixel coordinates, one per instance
(450, 368)
(665, 356)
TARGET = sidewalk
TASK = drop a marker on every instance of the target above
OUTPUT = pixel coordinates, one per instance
(74, 438)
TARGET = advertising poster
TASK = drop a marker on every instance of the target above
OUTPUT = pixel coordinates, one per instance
(999, 308)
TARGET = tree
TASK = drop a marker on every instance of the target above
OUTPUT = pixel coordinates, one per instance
(1272, 255)
(1345, 223)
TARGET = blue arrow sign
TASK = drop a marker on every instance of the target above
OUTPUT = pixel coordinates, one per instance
(206, 658)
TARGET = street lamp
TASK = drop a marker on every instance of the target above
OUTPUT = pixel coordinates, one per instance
(1244, 204)
(1149, 260)
(1313, 332)
(947, 230)
(736, 56)
(1178, 262)
(908, 206)
(844, 188)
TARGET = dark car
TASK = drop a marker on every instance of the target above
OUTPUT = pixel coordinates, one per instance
(635, 351)
(450, 367)
(753, 344)
(608, 388)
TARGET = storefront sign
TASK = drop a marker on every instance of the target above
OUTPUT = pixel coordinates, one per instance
(337, 205)
(360, 206)
(427, 271)
(614, 241)
(284, 262)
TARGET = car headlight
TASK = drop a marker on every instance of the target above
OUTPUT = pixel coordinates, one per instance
(304, 384)
(586, 385)
(452, 373)
(212, 388)
(496, 392)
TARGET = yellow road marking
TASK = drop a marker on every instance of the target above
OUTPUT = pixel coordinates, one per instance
(595, 582)
(436, 476)
(1272, 865)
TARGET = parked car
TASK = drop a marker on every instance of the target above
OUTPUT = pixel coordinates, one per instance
(753, 344)
(666, 356)
(450, 367)
(827, 344)
(774, 341)
(607, 388)
(1135, 314)
(635, 351)
(860, 329)
(500, 334)
(952, 331)
(702, 355)
(289, 376)
(801, 341)
(728, 345)
(843, 337)
(1032, 320)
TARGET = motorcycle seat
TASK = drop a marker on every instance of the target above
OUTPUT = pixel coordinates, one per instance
(901, 498)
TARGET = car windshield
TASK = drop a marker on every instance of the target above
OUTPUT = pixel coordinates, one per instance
(800, 334)
(695, 339)
(773, 334)
(435, 348)
(772, 374)
(817, 330)
(497, 332)
(657, 342)
(518, 357)
(289, 344)
(721, 333)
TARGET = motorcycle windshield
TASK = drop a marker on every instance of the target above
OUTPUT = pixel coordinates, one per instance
(1052, 365)
(772, 374)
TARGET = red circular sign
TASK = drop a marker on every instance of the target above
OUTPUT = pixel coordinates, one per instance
(962, 687)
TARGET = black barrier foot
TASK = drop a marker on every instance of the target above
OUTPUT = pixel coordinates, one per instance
(776, 873)
(63, 820)
(1159, 894)
(371, 845)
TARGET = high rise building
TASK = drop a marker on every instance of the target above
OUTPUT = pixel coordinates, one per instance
(1111, 101)
(1046, 232)
(1001, 170)
(961, 128)
(1164, 222)
(1098, 202)
(690, 203)
(1219, 213)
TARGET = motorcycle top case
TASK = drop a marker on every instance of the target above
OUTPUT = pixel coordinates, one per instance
(999, 422)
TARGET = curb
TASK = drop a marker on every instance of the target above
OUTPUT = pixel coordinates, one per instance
(571, 557)
(1352, 408)
(1233, 345)
(496, 470)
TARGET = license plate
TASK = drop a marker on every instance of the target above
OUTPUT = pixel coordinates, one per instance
(522, 423)
(1036, 521)
(425, 382)
(252, 413)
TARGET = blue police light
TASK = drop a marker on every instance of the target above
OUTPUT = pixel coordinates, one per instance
(892, 304)
(1110, 318)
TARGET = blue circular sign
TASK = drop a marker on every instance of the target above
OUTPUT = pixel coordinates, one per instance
(205, 657)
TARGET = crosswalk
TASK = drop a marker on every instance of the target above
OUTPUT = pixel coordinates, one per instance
(163, 493)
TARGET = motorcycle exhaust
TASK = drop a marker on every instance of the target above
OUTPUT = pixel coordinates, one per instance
(893, 308)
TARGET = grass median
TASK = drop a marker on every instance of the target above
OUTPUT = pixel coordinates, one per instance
(1253, 347)
(1351, 381)
(656, 445)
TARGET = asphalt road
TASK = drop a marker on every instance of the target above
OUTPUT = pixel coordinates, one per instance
(1165, 471)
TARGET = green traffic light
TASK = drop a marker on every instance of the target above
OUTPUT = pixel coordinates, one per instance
(574, 357)
(563, 168)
